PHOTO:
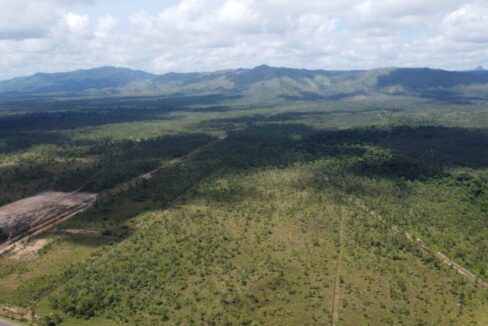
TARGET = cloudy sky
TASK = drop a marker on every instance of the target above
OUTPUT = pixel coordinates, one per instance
(205, 35)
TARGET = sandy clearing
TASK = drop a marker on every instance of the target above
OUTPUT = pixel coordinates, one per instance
(35, 215)
(94, 233)
(38, 214)
(16, 313)
(37, 209)
(29, 250)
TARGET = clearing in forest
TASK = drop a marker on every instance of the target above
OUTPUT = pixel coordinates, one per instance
(43, 210)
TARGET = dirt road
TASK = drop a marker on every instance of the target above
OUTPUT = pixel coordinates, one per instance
(466, 273)
(336, 301)
(146, 176)
(46, 210)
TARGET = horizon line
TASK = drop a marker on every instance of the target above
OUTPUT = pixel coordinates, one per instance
(477, 68)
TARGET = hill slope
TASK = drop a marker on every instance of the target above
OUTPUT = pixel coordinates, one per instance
(73, 82)
(261, 81)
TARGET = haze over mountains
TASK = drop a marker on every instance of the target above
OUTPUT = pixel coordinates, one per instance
(261, 81)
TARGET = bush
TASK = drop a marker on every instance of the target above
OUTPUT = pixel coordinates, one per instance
(51, 320)
(3, 236)
(106, 233)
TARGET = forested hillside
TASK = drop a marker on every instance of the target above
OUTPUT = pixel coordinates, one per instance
(262, 83)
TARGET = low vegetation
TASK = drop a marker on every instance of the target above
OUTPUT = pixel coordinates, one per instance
(240, 221)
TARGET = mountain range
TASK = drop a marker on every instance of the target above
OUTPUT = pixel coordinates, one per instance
(261, 81)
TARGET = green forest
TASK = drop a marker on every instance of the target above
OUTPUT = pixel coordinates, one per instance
(288, 212)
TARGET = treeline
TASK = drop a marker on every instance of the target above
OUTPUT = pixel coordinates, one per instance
(95, 167)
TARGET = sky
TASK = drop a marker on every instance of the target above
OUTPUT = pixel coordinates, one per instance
(208, 35)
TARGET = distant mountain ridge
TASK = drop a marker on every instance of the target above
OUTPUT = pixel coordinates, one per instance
(261, 81)
(76, 81)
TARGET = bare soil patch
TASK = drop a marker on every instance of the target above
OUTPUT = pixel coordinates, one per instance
(29, 250)
(38, 209)
(31, 216)
(17, 313)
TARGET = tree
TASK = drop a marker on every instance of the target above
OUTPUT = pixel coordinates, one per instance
(3, 236)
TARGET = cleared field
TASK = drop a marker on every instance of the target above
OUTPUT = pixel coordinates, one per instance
(28, 215)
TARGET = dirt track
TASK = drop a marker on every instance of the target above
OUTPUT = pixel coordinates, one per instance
(336, 301)
(470, 276)
(146, 176)
(42, 212)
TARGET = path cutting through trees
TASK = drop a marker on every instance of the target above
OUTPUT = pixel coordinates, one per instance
(337, 287)
(57, 218)
(466, 273)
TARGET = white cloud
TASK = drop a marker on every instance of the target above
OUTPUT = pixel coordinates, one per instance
(189, 35)
(238, 15)
(106, 24)
(76, 23)
(468, 23)
(25, 19)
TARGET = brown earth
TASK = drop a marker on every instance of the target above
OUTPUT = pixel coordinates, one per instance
(17, 313)
(29, 250)
(35, 210)
(31, 216)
